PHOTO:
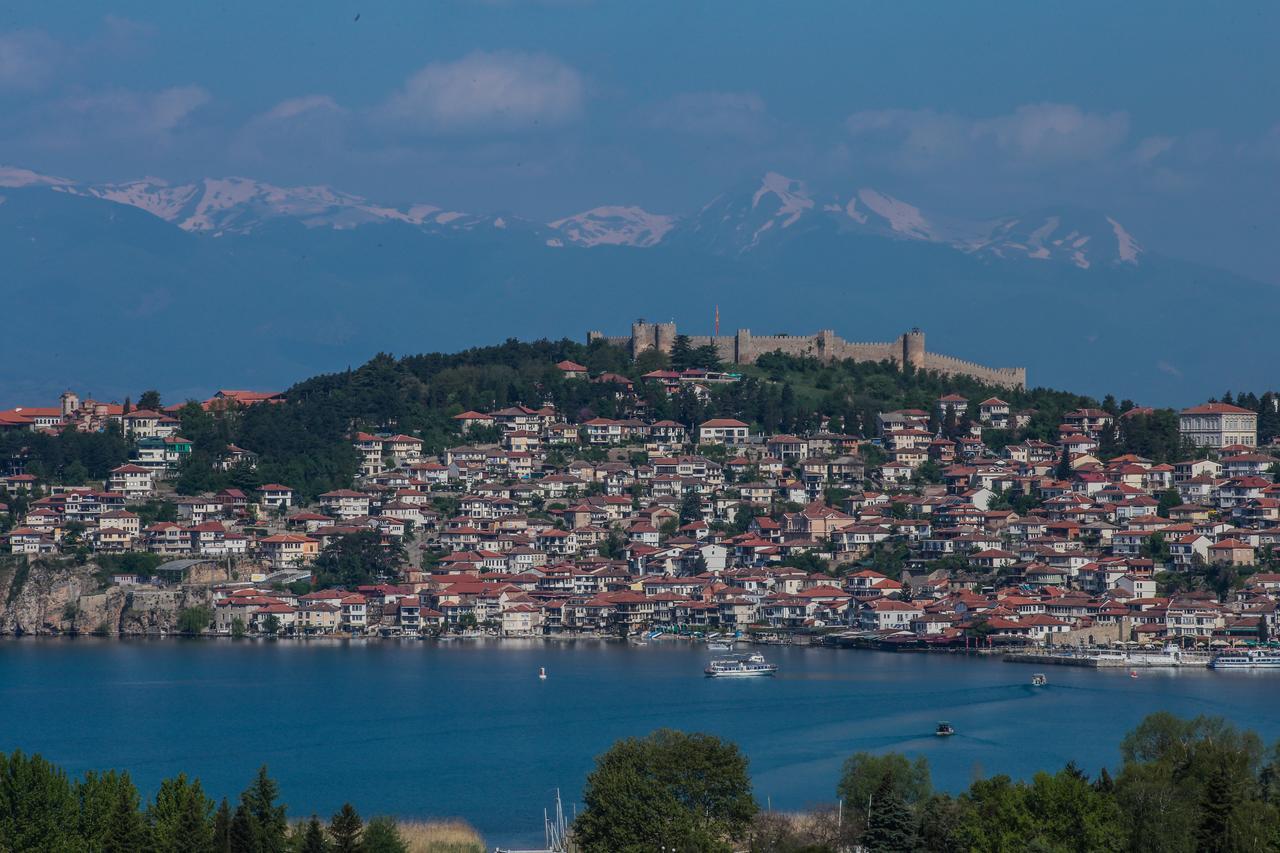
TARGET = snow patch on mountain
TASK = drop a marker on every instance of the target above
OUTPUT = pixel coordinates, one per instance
(15, 178)
(791, 198)
(1126, 246)
(902, 217)
(613, 225)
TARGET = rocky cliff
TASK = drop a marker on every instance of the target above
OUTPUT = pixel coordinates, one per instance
(57, 596)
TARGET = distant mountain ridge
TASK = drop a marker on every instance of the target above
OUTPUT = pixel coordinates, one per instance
(735, 222)
(111, 289)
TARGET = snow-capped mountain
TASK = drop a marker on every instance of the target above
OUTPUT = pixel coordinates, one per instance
(239, 205)
(753, 217)
(613, 226)
(780, 207)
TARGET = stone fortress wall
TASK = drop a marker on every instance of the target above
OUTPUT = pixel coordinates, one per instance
(744, 348)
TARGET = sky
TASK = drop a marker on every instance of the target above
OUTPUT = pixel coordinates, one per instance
(1163, 115)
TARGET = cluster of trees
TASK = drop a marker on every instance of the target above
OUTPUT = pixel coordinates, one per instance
(1184, 785)
(41, 809)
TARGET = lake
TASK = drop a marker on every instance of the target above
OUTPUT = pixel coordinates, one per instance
(466, 729)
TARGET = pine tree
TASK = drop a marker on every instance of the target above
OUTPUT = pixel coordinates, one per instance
(1221, 796)
(891, 828)
(243, 834)
(682, 357)
(1064, 466)
(39, 804)
(126, 830)
(345, 828)
(270, 821)
(313, 840)
(222, 828)
(381, 835)
(181, 818)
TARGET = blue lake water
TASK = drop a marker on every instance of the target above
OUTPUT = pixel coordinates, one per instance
(467, 729)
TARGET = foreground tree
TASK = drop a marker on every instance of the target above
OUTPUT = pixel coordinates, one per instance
(181, 818)
(381, 835)
(670, 789)
(346, 829)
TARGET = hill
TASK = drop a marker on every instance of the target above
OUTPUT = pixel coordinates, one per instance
(245, 285)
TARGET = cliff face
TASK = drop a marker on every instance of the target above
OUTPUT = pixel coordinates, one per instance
(50, 596)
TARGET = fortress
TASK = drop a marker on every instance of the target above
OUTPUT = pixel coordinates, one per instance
(743, 347)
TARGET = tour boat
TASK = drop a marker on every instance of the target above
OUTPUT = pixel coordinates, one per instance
(1248, 659)
(1039, 680)
(741, 666)
(720, 645)
(944, 729)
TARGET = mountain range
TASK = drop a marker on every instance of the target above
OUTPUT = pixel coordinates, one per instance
(232, 282)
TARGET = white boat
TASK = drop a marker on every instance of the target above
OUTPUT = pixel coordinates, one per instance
(1247, 659)
(720, 645)
(740, 666)
(1039, 679)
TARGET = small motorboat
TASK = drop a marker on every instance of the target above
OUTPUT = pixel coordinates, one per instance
(1039, 680)
(542, 673)
(944, 729)
(1133, 673)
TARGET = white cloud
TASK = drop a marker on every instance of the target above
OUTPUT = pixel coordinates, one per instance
(305, 105)
(27, 60)
(712, 114)
(1152, 147)
(505, 90)
(1033, 136)
(123, 112)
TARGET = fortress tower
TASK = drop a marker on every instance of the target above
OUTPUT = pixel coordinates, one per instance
(913, 349)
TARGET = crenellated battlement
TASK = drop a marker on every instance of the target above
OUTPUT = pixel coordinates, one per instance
(743, 347)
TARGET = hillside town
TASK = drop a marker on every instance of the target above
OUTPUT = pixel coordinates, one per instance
(913, 533)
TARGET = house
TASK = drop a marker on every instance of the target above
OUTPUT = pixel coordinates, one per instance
(1219, 425)
(132, 481)
(288, 550)
(345, 503)
(275, 496)
(571, 369)
(887, 614)
(1232, 552)
(725, 431)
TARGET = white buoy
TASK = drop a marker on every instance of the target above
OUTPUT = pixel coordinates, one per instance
(542, 673)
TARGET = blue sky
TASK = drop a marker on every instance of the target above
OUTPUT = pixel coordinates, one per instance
(1162, 114)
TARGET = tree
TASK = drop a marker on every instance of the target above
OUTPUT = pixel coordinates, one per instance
(381, 835)
(149, 401)
(346, 829)
(110, 819)
(707, 357)
(687, 791)
(690, 507)
(270, 823)
(358, 558)
(863, 773)
(194, 620)
(1063, 471)
(38, 808)
(222, 828)
(181, 818)
(682, 353)
(313, 839)
(890, 825)
(242, 837)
